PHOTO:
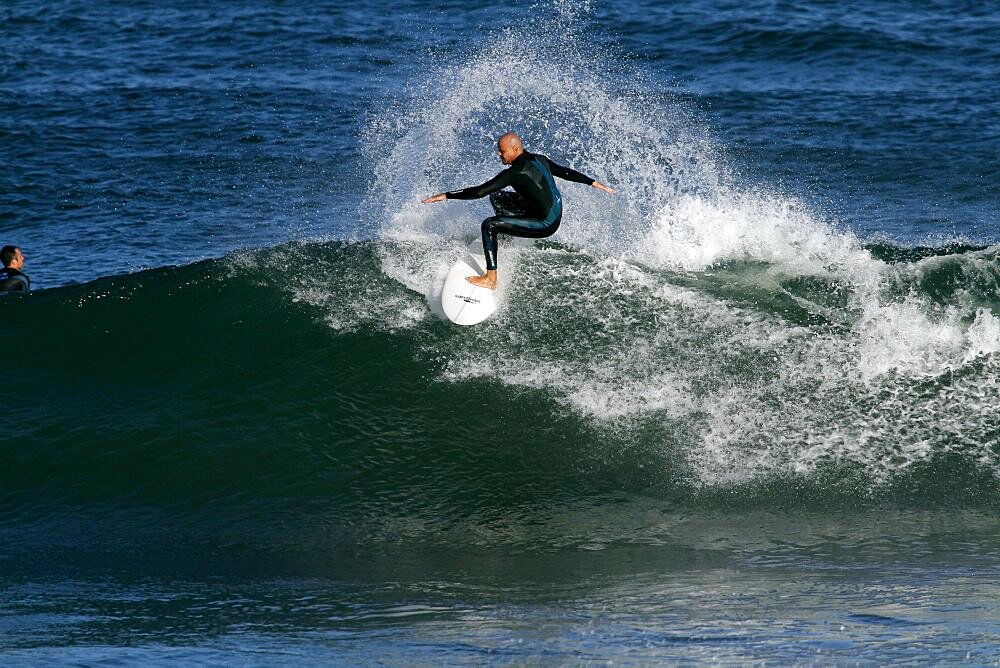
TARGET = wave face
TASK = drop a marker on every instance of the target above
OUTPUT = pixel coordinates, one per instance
(299, 394)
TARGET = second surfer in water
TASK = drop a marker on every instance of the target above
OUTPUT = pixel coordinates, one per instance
(533, 210)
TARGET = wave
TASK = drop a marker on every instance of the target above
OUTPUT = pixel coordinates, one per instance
(301, 384)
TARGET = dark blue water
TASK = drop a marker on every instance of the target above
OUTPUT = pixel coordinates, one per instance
(137, 136)
(745, 411)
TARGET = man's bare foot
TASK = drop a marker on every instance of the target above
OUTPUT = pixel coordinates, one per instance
(487, 280)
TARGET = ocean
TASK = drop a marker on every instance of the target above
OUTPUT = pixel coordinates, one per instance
(746, 411)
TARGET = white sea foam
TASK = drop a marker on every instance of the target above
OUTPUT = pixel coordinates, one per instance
(694, 232)
(906, 338)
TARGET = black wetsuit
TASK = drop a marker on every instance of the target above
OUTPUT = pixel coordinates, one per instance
(11, 280)
(533, 210)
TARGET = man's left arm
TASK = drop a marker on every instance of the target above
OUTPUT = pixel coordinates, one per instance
(569, 174)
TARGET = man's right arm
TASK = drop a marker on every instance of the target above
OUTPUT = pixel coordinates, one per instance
(498, 182)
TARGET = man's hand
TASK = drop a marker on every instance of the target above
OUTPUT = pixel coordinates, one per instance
(440, 197)
(601, 186)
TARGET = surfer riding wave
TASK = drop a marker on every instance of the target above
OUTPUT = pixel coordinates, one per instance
(533, 210)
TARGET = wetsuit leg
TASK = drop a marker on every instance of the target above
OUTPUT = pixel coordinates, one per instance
(515, 226)
(512, 217)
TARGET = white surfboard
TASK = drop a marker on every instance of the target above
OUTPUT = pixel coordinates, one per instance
(463, 302)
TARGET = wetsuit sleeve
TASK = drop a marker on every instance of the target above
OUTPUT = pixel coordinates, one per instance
(569, 174)
(498, 182)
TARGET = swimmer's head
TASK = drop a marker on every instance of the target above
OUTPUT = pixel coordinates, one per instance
(509, 147)
(12, 257)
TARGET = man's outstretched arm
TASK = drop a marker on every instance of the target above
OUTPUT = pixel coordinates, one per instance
(498, 182)
(569, 174)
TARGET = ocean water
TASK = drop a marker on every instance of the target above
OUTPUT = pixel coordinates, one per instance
(746, 411)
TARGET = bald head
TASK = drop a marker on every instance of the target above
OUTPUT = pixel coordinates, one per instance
(509, 147)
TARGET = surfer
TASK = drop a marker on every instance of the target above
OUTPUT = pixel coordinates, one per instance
(533, 210)
(11, 278)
